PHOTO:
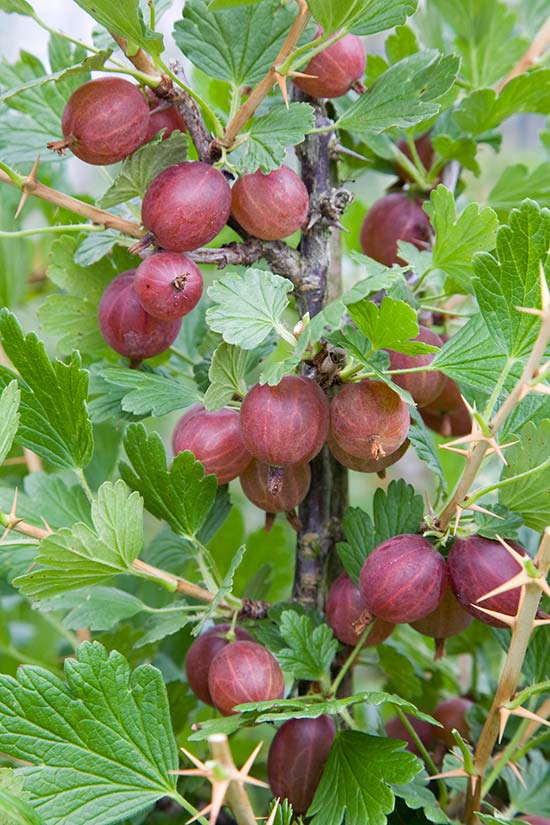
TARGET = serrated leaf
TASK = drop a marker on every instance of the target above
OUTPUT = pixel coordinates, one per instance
(248, 306)
(182, 495)
(125, 19)
(148, 393)
(9, 417)
(457, 239)
(270, 135)
(54, 420)
(239, 44)
(310, 649)
(361, 16)
(519, 182)
(95, 246)
(98, 608)
(80, 556)
(417, 795)
(510, 278)
(104, 734)
(404, 95)
(528, 496)
(355, 784)
(227, 376)
(503, 523)
(139, 169)
(389, 326)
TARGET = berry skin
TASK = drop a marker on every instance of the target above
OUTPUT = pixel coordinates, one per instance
(168, 285)
(403, 579)
(397, 730)
(271, 206)
(452, 714)
(215, 440)
(285, 424)
(478, 565)
(336, 68)
(105, 120)
(278, 492)
(394, 217)
(186, 206)
(448, 619)
(201, 653)
(447, 413)
(296, 759)
(348, 615)
(369, 420)
(423, 386)
(125, 325)
(244, 672)
(365, 465)
(162, 117)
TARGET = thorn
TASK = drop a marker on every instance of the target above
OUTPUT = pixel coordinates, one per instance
(515, 769)
(502, 617)
(281, 82)
(479, 509)
(523, 713)
(302, 74)
(31, 179)
(540, 622)
(514, 553)
(512, 584)
(271, 820)
(504, 715)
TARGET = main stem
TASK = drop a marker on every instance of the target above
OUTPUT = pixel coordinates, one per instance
(322, 511)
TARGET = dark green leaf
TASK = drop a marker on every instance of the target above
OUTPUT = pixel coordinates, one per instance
(361, 16)
(268, 137)
(310, 650)
(147, 393)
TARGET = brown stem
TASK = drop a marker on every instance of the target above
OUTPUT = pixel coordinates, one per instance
(265, 85)
(140, 60)
(236, 795)
(540, 43)
(98, 216)
(511, 672)
(190, 112)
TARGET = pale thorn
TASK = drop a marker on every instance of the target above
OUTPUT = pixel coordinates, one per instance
(504, 715)
(46, 525)
(430, 507)
(31, 178)
(460, 773)
(514, 553)
(543, 389)
(512, 584)
(192, 758)
(14, 521)
(271, 820)
(480, 509)
(529, 714)
(281, 82)
(459, 511)
(303, 74)
(540, 622)
(502, 617)
(544, 294)
(516, 771)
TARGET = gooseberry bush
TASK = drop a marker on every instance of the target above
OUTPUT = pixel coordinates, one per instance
(275, 415)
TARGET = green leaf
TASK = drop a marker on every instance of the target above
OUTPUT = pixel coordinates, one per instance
(98, 608)
(355, 784)
(17, 7)
(16, 254)
(15, 811)
(399, 672)
(310, 650)
(511, 278)
(125, 19)
(248, 306)
(417, 795)
(148, 393)
(404, 95)
(401, 43)
(269, 136)
(139, 169)
(224, 590)
(503, 523)
(227, 375)
(9, 417)
(533, 796)
(54, 419)
(95, 246)
(519, 182)
(361, 16)
(80, 556)
(457, 239)
(423, 443)
(389, 326)
(103, 734)
(47, 496)
(182, 496)
(528, 496)
(238, 45)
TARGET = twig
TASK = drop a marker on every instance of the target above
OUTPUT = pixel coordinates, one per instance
(236, 795)
(537, 47)
(266, 84)
(190, 112)
(140, 60)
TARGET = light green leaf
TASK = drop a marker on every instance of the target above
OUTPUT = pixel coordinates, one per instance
(103, 734)
(389, 326)
(139, 169)
(457, 239)
(96, 245)
(519, 182)
(98, 608)
(310, 649)
(15, 811)
(47, 496)
(9, 417)
(225, 589)
(17, 7)
(361, 16)
(423, 444)
(401, 43)
(355, 784)
(533, 796)
(80, 556)
(461, 148)
(238, 45)
(248, 306)
(182, 496)
(148, 393)
(510, 278)
(528, 495)
(270, 135)
(54, 419)
(227, 375)
(404, 95)
(124, 18)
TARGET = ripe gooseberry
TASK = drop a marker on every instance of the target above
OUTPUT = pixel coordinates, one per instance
(103, 121)
(186, 206)
(125, 325)
(335, 69)
(276, 493)
(163, 116)
(287, 423)
(271, 206)
(244, 672)
(201, 653)
(448, 619)
(368, 419)
(447, 413)
(425, 732)
(296, 759)
(215, 440)
(477, 566)
(395, 217)
(365, 465)
(348, 615)
(452, 714)
(423, 386)
(168, 285)
(403, 579)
